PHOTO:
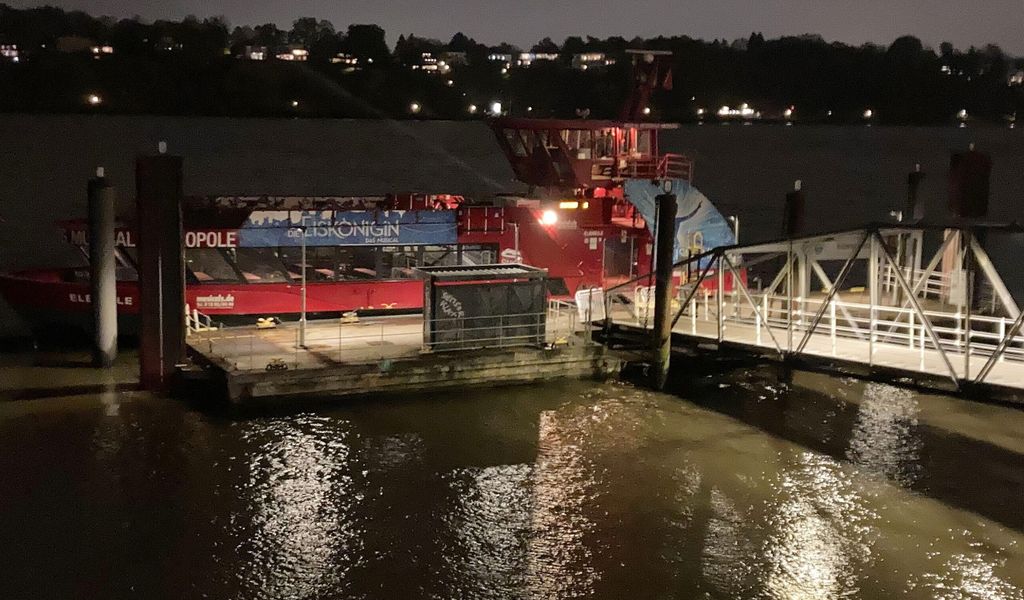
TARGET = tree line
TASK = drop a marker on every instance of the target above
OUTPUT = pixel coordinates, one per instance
(191, 67)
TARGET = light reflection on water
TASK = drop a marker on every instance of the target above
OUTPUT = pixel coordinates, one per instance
(813, 488)
(300, 504)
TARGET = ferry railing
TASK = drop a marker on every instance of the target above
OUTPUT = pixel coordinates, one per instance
(196, 321)
(666, 166)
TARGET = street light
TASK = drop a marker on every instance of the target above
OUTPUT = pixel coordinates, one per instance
(94, 99)
(302, 292)
(735, 228)
(415, 107)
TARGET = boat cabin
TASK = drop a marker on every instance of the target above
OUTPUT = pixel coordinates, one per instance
(586, 154)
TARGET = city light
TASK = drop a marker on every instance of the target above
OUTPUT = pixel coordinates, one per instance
(94, 99)
(294, 103)
(495, 108)
(472, 109)
(548, 217)
(415, 107)
(962, 115)
(744, 112)
(868, 113)
(529, 109)
(647, 110)
(700, 112)
(788, 113)
(450, 83)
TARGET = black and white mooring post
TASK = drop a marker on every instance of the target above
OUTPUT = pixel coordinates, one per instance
(665, 239)
(102, 269)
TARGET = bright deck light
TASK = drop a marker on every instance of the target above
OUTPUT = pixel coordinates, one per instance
(548, 217)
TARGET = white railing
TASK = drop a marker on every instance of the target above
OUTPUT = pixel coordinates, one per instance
(196, 321)
(845, 329)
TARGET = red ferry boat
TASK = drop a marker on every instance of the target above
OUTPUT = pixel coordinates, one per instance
(592, 187)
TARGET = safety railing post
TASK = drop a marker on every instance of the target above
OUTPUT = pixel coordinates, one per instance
(921, 343)
(721, 299)
(910, 331)
(1002, 336)
(757, 329)
(693, 316)
(832, 324)
(872, 298)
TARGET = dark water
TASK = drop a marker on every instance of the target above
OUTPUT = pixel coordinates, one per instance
(738, 485)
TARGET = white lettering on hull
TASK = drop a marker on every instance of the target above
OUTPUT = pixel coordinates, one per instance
(87, 299)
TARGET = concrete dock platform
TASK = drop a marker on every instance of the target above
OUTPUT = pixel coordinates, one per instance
(383, 355)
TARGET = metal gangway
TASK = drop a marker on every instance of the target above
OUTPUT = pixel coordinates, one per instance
(863, 296)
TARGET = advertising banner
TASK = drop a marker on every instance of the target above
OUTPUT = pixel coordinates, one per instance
(349, 228)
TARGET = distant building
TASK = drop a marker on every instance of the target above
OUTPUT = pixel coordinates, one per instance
(429, 64)
(70, 44)
(498, 57)
(294, 54)
(591, 60)
(528, 58)
(100, 51)
(345, 59)
(254, 53)
(167, 44)
(10, 52)
(249, 52)
(455, 58)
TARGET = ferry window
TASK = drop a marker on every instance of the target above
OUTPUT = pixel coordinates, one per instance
(125, 268)
(437, 256)
(321, 262)
(209, 264)
(478, 254)
(357, 262)
(643, 143)
(260, 265)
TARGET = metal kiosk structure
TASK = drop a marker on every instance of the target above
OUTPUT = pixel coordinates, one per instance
(483, 306)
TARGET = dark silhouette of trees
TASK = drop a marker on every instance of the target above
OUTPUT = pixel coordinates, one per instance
(190, 67)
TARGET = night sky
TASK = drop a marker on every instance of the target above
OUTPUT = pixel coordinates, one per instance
(523, 22)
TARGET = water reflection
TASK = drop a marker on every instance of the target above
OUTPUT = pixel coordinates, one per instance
(885, 438)
(300, 497)
(492, 524)
(819, 526)
(558, 563)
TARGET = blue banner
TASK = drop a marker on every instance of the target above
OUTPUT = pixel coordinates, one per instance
(349, 228)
